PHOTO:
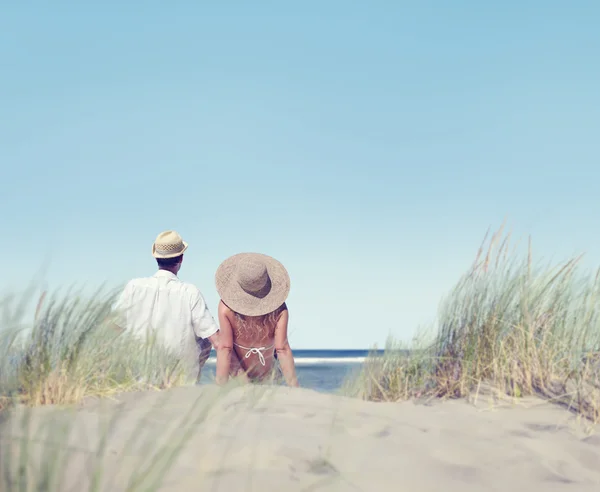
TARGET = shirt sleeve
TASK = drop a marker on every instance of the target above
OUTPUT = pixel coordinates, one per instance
(204, 323)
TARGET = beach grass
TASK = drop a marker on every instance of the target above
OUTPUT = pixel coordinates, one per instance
(509, 326)
(71, 350)
(68, 354)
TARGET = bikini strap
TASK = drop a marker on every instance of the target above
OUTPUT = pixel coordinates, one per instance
(255, 350)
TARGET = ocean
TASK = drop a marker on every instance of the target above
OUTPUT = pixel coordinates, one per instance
(321, 370)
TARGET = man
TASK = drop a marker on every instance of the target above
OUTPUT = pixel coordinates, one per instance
(173, 310)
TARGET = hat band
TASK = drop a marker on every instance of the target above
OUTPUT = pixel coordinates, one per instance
(168, 248)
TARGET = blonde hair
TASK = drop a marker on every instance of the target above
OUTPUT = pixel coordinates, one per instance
(251, 326)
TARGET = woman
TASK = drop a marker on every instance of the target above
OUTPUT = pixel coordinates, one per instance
(253, 317)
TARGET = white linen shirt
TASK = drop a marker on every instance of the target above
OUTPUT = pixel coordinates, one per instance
(174, 310)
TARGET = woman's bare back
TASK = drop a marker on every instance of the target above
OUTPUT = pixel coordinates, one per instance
(254, 341)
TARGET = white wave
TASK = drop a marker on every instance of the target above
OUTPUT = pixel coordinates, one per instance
(329, 360)
(299, 361)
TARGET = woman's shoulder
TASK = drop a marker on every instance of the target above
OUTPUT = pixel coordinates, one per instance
(224, 308)
(281, 310)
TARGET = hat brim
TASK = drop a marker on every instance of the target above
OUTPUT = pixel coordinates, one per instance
(170, 255)
(246, 304)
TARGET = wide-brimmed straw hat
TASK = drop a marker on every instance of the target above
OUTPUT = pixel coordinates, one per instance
(168, 244)
(252, 284)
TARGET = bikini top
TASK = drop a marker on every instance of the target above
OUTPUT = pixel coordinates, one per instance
(255, 350)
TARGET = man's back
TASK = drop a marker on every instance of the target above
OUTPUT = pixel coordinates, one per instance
(172, 310)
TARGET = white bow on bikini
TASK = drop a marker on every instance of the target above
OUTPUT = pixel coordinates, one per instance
(255, 350)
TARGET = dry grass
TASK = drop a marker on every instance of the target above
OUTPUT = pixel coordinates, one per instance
(520, 328)
(67, 353)
(70, 351)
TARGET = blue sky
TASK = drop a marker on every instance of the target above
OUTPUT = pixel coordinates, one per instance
(368, 146)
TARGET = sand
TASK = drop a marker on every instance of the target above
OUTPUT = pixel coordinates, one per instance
(287, 439)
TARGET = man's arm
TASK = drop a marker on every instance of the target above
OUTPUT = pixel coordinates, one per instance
(284, 351)
(205, 346)
(206, 329)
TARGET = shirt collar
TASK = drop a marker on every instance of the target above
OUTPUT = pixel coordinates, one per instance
(166, 274)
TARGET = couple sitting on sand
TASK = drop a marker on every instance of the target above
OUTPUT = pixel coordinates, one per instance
(251, 340)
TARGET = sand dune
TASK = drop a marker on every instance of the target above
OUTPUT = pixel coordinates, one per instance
(295, 439)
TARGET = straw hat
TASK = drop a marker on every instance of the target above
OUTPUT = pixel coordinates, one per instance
(168, 244)
(252, 284)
